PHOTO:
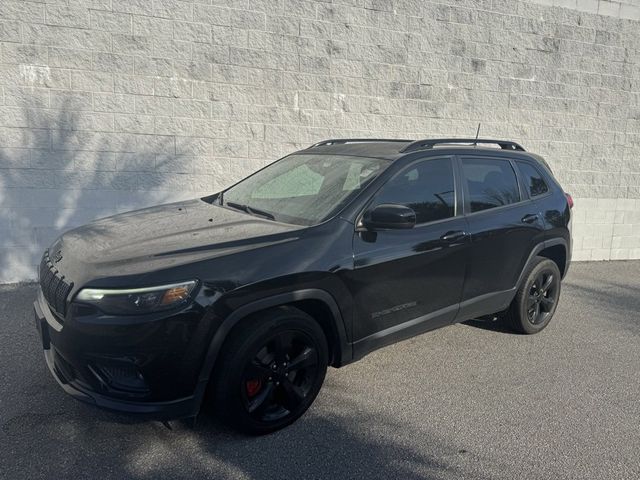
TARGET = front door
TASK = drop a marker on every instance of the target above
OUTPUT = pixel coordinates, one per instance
(408, 281)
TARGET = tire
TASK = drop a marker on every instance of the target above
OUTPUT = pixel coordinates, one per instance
(537, 298)
(256, 387)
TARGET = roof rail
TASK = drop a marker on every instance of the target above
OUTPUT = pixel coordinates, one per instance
(431, 142)
(334, 141)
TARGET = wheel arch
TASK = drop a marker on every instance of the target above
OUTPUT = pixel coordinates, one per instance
(558, 253)
(318, 303)
(547, 247)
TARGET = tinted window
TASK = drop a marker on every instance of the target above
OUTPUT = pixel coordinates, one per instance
(491, 183)
(426, 187)
(532, 179)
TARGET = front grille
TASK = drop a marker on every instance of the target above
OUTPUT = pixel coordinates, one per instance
(54, 287)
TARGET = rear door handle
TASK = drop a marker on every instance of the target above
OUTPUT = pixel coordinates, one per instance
(453, 236)
(530, 218)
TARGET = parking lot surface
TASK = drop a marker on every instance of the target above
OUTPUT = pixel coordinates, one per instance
(467, 401)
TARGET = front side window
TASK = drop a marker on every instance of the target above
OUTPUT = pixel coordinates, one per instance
(490, 183)
(304, 189)
(533, 180)
(426, 187)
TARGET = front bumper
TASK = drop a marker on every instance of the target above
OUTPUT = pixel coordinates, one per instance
(65, 353)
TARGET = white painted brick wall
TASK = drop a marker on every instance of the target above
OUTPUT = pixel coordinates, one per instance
(109, 105)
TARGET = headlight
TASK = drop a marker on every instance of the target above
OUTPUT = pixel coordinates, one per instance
(137, 300)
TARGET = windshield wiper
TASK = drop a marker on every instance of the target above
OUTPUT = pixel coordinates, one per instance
(250, 210)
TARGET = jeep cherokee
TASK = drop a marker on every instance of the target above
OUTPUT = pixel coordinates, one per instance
(241, 299)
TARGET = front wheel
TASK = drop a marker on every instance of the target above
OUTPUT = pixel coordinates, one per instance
(272, 367)
(537, 298)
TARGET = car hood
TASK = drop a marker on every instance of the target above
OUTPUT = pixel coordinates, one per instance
(165, 236)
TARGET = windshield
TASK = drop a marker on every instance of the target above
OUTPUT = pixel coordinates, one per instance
(303, 189)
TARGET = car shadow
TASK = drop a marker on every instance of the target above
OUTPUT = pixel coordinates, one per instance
(328, 445)
(44, 432)
(81, 441)
(498, 325)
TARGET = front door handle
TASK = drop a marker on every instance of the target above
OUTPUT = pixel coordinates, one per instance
(453, 236)
(530, 218)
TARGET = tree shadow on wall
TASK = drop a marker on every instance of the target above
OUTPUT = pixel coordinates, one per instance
(60, 176)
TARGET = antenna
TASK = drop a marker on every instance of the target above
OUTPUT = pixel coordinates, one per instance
(475, 144)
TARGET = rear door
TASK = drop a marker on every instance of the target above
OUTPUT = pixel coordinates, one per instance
(504, 225)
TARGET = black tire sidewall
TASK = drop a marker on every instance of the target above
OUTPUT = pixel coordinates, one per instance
(249, 337)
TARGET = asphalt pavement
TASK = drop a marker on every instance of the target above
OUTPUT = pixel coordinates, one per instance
(467, 401)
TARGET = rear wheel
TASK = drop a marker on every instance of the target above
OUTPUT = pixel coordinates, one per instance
(271, 369)
(537, 298)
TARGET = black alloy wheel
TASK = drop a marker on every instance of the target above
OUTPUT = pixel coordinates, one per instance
(543, 296)
(270, 370)
(537, 297)
(280, 376)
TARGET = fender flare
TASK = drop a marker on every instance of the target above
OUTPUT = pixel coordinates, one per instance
(537, 249)
(343, 347)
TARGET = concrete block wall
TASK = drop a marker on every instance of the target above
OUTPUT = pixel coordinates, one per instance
(614, 8)
(606, 229)
(110, 105)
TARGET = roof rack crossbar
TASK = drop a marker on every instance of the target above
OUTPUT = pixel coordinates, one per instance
(431, 142)
(334, 141)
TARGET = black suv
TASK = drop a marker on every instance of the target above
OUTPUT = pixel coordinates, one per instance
(241, 299)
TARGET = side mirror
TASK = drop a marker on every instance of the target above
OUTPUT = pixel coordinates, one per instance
(389, 216)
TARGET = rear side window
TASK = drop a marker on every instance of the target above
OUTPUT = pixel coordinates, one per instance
(491, 183)
(426, 187)
(533, 179)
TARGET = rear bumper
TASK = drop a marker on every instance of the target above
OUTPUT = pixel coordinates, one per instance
(68, 376)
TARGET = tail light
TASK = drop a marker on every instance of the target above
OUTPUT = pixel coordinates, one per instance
(569, 200)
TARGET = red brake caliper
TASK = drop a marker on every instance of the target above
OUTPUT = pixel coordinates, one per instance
(253, 387)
